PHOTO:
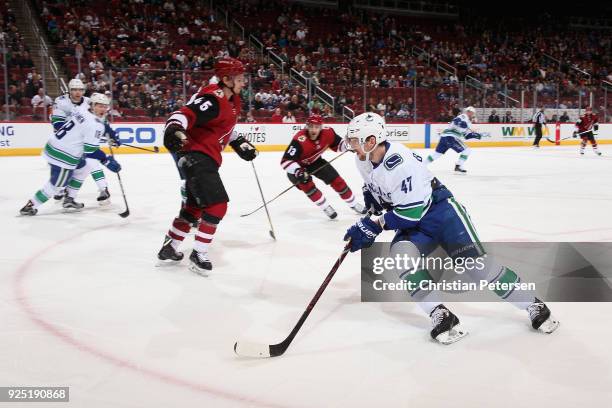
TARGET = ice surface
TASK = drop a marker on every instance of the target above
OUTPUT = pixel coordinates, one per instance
(83, 305)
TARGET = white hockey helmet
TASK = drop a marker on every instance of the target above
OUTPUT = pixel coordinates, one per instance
(99, 98)
(76, 83)
(365, 125)
(470, 109)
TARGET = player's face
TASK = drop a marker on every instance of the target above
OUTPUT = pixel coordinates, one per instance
(76, 94)
(237, 83)
(314, 130)
(100, 110)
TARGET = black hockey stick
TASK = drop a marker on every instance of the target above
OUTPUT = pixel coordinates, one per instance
(257, 350)
(568, 137)
(154, 150)
(264, 201)
(290, 187)
(126, 213)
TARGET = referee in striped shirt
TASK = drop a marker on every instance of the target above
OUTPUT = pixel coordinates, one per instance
(539, 120)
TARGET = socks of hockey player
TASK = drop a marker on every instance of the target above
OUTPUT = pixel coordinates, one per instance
(340, 187)
(100, 179)
(463, 156)
(433, 156)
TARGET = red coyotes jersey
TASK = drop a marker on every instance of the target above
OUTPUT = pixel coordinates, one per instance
(303, 151)
(586, 122)
(209, 118)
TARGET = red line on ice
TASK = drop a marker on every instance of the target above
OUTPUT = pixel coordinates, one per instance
(22, 300)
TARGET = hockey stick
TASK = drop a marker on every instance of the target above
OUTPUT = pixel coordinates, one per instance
(126, 213)
(290, 187)
(264, 201)
(154, 150)
(258, 350)
(567, 137)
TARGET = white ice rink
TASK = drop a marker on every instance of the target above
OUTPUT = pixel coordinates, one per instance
(83, 305)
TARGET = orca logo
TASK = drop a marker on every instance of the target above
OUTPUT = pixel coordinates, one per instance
(393, 161)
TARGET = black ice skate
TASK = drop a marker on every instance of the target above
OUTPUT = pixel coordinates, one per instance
(541, 318)
(70, 205)
(104, 197)
(167, 254)
(446, 329)
(28, 209)
(59, 195)
(330, 212)
(200, 263)
(459, 169)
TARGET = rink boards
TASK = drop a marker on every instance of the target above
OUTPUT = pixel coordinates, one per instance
(29, 138)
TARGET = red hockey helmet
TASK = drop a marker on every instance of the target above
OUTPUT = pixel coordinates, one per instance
(314, 119)
(229, 67)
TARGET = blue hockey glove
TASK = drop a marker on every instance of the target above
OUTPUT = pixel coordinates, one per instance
(112, 164)
(113, 138)
(362, 234)
(371, 203)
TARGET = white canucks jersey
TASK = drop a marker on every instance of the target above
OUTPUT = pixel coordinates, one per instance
(459, 127)
(80, 135)
(63, 108)
(401, 180)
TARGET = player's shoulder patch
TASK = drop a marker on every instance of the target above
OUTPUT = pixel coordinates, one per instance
(301, 136)
(393, 161)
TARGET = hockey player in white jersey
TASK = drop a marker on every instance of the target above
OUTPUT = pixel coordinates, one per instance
(65, 152)
(63, 108)
(425, 216)
(452, 138)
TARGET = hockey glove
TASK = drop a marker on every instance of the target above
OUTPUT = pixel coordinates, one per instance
(112, 164)
(362, 234)
(174, 137)
(111, 135)
(575, 134)
(244, 148)
(371, 203)
(302, 176)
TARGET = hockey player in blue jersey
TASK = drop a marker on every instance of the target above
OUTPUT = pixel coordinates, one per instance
(424, 214)
(453, 137)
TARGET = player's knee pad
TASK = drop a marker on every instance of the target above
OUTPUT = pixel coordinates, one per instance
(410, 267)
(214, 213)
(339, 185)
(190, 214)
(308, 188)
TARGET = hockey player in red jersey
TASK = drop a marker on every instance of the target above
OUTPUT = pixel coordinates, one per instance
(587, 126)
(303, 157)
(197, 133)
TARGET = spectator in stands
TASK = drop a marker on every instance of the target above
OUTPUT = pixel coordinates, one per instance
(258, 103)
(14, 96)
(494, 117)
(277, 116)
(508, 117)
(41, 103)
(249, 117)
(289, 118)
(564, 118)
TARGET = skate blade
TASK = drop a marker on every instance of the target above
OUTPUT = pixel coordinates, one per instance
(104, 203)
(167, 262)
(72, 210)
(549, 325)
(453, 335)
(198, 271)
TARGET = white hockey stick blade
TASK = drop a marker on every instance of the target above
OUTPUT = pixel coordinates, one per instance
(550, 325)
(453, 335)
(248, 349)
